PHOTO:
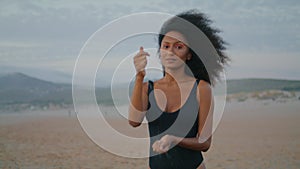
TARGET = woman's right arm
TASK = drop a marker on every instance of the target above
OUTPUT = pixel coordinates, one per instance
(139, 98)
(139, 102)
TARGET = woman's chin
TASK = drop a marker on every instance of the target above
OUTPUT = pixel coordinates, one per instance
(172, 67)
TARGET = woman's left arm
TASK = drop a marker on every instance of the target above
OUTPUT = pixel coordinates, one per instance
(203, 139)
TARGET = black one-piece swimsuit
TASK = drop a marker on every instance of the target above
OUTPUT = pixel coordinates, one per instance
(181, 123)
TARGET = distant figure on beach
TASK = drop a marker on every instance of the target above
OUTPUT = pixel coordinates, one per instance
(182, 97)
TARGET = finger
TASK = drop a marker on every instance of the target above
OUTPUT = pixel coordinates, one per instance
(145, 53)
(140, 65)
(142, 52)
(162, 145)
(163, 148)
(155, 146)
(141, 58)
(160, 150)
(156, 143)
(163, 151)
(139, 62)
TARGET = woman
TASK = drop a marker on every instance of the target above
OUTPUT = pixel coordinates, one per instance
(183, 97)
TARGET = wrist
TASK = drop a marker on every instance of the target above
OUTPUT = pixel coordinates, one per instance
(140, 76)
(174, 140)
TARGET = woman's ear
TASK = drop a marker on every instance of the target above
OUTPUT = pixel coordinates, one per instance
(189, 56)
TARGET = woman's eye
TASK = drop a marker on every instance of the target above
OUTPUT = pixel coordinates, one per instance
(178, 46)
(165, 46)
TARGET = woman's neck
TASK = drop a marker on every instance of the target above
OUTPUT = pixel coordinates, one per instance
(177, 75)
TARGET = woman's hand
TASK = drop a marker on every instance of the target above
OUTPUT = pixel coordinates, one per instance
(164, 144)
(140, 61)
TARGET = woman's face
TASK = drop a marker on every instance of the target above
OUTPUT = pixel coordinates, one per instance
(174, 50)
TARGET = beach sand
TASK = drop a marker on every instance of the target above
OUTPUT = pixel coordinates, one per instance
(251, 135)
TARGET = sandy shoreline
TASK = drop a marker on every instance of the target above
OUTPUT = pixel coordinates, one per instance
(250, 135)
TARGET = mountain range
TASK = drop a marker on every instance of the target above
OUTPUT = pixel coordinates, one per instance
(19, 88)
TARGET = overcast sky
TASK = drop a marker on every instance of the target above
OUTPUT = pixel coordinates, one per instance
(46, 36)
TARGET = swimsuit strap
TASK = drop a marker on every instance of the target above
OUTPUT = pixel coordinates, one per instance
(150, 88)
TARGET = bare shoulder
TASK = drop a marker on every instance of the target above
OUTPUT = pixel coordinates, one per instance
(159, 81)
(204, 89)
(204, 86)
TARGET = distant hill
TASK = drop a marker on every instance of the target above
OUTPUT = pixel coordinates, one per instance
(18, 88)
(254, 85)
(40, 73)
(21, 89)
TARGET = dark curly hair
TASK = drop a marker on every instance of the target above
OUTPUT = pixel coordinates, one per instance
(209, 65)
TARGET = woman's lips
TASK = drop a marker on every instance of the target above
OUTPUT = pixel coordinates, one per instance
(170, 59)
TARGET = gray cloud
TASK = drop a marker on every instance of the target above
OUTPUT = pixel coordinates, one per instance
(46, 31)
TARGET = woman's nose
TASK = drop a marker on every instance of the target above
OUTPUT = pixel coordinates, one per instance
(170, 50)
